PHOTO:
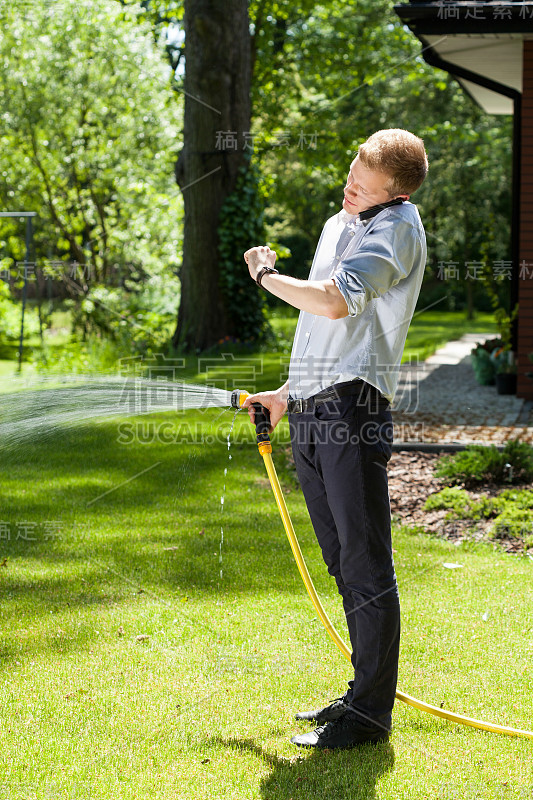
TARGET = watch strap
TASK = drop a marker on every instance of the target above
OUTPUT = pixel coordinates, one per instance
(262, 273)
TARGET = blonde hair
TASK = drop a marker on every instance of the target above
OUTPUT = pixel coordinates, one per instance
(399, 154)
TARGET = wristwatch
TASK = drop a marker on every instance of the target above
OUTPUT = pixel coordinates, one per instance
(261, 273)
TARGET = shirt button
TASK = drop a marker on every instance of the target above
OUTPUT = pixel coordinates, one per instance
(307, 333)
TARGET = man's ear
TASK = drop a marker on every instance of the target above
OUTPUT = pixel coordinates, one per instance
(403, 197)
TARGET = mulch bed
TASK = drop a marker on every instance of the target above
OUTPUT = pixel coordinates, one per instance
(412, 480)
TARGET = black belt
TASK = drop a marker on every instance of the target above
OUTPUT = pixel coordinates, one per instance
(298, 405)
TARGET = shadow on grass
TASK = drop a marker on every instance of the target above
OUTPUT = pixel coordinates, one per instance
(334, 774)
(151, 512)
(127, 531)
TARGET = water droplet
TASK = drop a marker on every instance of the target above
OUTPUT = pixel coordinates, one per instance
(224, 489)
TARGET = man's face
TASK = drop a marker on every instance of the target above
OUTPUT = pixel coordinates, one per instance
(364, 188)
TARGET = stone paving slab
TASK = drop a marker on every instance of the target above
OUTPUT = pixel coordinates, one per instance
(440, 400)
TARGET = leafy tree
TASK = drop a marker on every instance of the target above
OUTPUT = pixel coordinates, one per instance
(89, 134)
(326, 75)
(344, 70)
(307, 81)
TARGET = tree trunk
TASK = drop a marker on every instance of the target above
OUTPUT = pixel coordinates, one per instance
(217, 101)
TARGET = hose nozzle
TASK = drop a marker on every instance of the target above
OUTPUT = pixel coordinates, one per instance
(261, 418)
(238, 396)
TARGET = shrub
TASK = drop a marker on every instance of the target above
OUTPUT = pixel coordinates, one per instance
(514, 523)
(89, 357)
(460, 503)
(10, 316)
(520, 498)
(479, 464)
(514, 510)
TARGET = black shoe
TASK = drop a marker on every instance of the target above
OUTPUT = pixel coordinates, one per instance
(343, 732)
(328, 714)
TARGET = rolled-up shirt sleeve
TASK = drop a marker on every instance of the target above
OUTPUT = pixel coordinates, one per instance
(386, 255)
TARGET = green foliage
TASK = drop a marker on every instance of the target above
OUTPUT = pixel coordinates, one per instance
(520, 498)
(10, 317)
(93, 356)
(115, 324)
(241, 226)
(461, 504)
(479, 464)
(342, 70)
(504, 360)
(90, 133)
(512, 510)
(147, 313)
(483, 366)
(504, 322)
(9, 314)
(513, 522)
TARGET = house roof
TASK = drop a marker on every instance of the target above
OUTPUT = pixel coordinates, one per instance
(479, 43)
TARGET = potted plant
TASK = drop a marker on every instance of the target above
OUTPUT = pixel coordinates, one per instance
(482, 363)
(505, 365)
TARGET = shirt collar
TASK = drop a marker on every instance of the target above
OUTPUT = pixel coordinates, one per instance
(345, 217)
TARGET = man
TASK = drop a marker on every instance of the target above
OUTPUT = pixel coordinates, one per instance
(356, 308)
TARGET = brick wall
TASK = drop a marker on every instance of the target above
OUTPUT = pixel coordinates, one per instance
(525, 282)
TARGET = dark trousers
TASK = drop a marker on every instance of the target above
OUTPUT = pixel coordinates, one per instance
(341, 450)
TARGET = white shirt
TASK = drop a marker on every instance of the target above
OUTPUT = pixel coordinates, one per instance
(378, 266)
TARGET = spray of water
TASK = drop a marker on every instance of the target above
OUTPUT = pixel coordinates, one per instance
(42, 406)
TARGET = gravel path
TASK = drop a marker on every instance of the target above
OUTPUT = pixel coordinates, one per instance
(439, 400)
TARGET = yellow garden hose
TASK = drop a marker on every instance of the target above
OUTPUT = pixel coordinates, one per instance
(265, 448)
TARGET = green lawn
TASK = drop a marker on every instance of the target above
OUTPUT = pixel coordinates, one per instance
(267, 369)
(143, 657)
(263, 369)
(428, 331)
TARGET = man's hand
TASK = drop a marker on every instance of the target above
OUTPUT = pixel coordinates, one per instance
(276, 402)
(259, 257)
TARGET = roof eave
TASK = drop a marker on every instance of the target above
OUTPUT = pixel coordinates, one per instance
(430, 19)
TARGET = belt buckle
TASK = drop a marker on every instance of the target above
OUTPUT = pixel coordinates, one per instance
(297, 405)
